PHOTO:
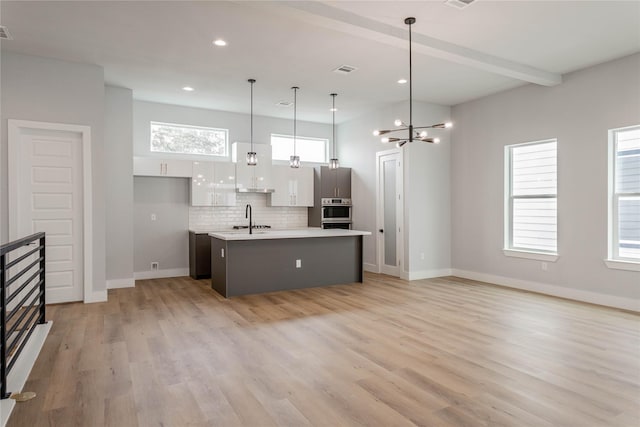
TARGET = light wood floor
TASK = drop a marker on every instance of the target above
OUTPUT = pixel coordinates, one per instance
(440, 352)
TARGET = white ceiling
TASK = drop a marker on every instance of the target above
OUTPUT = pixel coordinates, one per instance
(157, 47)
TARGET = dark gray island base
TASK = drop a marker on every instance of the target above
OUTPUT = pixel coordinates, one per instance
(268, 263)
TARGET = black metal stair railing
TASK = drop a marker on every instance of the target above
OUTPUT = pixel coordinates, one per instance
(22, 295)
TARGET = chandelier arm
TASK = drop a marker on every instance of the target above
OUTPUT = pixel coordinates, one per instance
(394, 130)
(430, 127)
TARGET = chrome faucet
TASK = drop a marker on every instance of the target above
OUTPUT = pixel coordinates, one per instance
(247, 214)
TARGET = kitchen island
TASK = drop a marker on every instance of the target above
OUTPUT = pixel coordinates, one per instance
(275, 260)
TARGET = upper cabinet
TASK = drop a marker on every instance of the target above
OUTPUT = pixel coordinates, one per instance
(153, 166)
(292, 186)
(252, 178)
(213, 184)
(335, 182)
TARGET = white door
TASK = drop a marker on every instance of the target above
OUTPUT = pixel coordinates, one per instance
(47, 183)
(389, 212)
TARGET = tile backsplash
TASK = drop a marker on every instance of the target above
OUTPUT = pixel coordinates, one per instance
(225, 217)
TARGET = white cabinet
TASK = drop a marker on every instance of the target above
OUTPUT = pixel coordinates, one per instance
(213, 184)
(292, 186)
(252, 178)
(154, 166)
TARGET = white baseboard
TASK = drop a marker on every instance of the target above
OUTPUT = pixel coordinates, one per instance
(20, 372)
(160, 274)
(96, 296)
(557, 291)
(425, 274)
(372, 268)
(121, 283)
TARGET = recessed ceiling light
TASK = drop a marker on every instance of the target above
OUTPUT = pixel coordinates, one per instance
(188, 89)
(219, 42)
(333, 109)
(402, 81)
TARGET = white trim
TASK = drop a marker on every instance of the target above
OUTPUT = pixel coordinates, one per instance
(613, 217)
(96, 296)
(557, 291)
(426, 274)
(22, 368)
(121, 283)
(14, 126)
(540, 256)
(161, 274)
(372, 268)
(617, 264)
(509, 197)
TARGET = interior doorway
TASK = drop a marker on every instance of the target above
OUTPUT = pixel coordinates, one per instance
(50, 190)
(389, 212)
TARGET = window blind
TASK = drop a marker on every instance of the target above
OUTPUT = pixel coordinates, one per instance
(533, 196)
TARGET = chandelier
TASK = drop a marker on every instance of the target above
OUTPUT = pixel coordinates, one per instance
(415, 133)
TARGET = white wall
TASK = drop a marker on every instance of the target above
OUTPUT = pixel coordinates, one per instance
(579, 112)
(118, 141)
(238, 125)
(426, 186)
(48, 90)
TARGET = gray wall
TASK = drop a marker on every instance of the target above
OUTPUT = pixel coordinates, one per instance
(48, 90)
(118, 140)
(165, 240)
(579, 112)
(426, 181)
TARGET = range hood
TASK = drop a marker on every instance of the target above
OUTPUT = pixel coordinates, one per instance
(255, 190)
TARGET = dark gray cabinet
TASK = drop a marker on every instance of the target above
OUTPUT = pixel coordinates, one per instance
(199, 255)
(335, 183)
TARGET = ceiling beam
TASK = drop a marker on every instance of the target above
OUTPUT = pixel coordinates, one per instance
(319, 13)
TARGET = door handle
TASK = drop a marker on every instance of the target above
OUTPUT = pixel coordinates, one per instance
(381, 230)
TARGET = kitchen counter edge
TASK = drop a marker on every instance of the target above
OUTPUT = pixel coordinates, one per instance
(288, 234)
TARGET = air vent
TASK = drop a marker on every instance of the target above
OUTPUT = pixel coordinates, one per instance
(4, 33)
(284, 103)
(345, 69)
(459, 4)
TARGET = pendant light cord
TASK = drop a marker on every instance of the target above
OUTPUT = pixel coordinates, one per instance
(252, 81)
(295, 103)
(410, 90)
(333, 110)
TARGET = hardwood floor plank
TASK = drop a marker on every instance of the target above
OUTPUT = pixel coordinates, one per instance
(444, 352)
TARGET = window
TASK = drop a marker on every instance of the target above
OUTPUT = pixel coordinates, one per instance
(184, 139)
(531, 197)
(625, 194)
(309, 149)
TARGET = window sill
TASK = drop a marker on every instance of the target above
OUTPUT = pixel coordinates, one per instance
(540, 256)
(622, 265)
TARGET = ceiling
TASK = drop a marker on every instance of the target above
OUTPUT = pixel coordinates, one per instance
(157, 47)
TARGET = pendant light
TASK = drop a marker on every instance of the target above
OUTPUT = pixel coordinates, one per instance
(333, 162)
(252, 157)
(413, 133)
(294, 161)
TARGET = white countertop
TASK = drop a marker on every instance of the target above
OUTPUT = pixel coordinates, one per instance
(299, 233)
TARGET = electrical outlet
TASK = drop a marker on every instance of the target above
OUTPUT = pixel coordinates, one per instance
(298, 263)
(422, 256)
(544, 266)
(153, 217)
(154, 265)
